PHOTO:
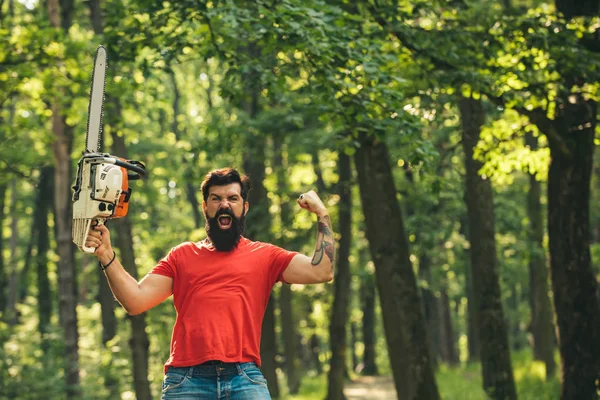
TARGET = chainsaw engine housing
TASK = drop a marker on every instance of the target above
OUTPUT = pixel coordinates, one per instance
(101, 192)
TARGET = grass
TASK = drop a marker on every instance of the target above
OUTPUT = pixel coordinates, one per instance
(461, 383)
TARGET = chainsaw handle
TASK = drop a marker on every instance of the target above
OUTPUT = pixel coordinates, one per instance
(86, 249)
(137, 167)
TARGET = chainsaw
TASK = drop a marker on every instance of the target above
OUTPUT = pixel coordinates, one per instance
(101, 189)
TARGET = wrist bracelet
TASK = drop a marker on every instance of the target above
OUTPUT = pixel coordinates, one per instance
(110, 262)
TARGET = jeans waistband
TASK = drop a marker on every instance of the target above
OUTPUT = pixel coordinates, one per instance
(208, 370)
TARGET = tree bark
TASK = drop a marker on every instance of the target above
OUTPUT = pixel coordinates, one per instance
(472, 311)
(268, 348)
(430, 306)
(44, 296)
(341, 299)
(59, 14)
(315, 350)
(401, 306)
(427, 296)
(542, 315)
(368, 293)
(447, 343)
(353, 341)
(138, 341)
(573, 280)
(497, 373)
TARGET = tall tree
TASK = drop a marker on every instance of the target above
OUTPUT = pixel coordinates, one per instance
(571, 139)
(44, 205)
(341, 299)
(498, 380)
(400, 303)
(368, 293)
(542, 315)
(60, 17)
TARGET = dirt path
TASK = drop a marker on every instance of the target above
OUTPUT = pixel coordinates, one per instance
(371, 388)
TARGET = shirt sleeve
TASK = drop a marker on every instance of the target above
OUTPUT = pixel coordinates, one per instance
(167, 266)
(280, 259)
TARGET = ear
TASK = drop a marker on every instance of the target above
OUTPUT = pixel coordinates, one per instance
(246, 207)
(204, 206)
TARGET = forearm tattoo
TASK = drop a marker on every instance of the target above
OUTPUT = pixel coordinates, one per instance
(325, 244)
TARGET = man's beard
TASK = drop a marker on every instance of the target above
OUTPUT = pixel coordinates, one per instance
(225, 239)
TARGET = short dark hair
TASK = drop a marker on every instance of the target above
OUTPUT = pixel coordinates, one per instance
(222, 177)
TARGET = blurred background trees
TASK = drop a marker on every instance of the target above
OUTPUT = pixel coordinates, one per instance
(452, 141)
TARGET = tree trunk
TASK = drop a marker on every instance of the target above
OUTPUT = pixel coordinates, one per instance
(138, 341)
(401, 306)
(447, 343)
(497, 373)
(315, 351)
(3, 279)
(268, 348)
(288, 322)
(427, 296)
(353, 341)
(542, 315)
(472, 312)
(341, 299)
(430, 305)
(59, 14)
(44, 296)
(107, 306)
(573, 280)
(368, 295)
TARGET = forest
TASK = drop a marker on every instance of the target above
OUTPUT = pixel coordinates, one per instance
(453, 142)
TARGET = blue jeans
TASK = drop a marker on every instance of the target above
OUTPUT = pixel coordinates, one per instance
(233, 381)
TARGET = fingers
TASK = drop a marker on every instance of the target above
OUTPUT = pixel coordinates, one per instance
(98, 236)
(102, 229)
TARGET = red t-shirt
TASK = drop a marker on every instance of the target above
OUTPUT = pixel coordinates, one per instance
(220, 298)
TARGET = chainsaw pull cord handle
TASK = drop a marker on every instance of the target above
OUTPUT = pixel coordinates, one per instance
(91, 250)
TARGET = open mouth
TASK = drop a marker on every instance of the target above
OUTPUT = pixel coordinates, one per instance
(224, 222)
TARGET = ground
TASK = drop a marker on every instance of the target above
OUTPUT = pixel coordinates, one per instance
(371, 388)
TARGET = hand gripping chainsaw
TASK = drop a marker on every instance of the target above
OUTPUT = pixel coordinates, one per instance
(101, 188)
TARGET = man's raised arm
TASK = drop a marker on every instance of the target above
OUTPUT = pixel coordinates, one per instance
(319, 268)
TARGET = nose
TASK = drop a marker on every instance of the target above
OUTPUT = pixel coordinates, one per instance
(224, 204)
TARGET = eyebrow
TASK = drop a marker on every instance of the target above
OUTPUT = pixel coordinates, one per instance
(229, 197)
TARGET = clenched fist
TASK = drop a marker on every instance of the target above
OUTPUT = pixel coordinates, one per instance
(99, 238)
(310, 201)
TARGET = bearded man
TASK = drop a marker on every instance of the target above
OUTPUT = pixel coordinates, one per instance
(220, 289)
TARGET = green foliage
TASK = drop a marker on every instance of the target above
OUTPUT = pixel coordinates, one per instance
(325, 75)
